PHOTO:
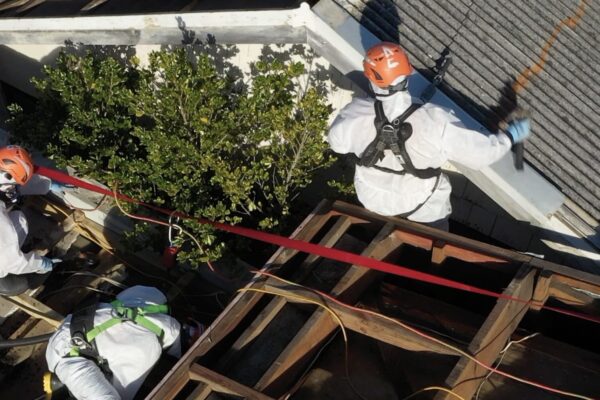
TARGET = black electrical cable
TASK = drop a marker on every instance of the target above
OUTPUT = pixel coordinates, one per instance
(8, 343)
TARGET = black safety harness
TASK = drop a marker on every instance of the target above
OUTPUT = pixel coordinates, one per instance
(393, 135)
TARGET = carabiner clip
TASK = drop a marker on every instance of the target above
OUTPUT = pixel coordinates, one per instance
(171, 224)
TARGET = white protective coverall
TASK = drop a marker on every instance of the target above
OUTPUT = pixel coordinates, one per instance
(437, 136)
(13, 231)
(131, 350)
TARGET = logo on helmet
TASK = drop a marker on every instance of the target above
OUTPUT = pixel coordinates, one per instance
(388, 56)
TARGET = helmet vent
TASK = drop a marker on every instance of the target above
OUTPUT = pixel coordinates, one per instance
(377, 76)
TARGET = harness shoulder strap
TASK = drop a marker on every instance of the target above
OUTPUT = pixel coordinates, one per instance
(137, 315)
(390, 135)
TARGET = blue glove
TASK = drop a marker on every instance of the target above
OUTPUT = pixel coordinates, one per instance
(519, 129)
(59, 187)
(48, 264)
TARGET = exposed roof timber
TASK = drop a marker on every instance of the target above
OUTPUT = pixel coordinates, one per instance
(531, 278)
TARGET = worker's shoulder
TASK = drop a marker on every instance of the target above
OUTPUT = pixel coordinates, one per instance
(360, 106)
(438, 112)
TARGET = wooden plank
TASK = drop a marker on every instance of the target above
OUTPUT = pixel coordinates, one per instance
(276, 304)
(492, 336)
(36, 309)
(370, 325)
(222, 384)
(450, 250)
(412, 239)
(576, 283)
(438, 254)
(542, 290)
(567, 294)
(236, 310)
(320, 325)
(105, 238)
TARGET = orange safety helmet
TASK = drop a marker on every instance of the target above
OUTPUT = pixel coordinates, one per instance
(384, 63)
(16, 161)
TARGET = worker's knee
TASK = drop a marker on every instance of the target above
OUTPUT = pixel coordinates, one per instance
(12, 285)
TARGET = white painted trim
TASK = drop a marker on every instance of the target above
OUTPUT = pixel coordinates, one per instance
(281, 26)
(294, 17)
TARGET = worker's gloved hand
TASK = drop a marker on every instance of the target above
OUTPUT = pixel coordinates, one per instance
(519, 129)
(59, 187)
(48, 264)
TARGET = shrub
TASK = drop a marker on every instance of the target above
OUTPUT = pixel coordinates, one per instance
(184, 134)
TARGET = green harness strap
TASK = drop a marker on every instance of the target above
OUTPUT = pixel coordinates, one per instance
(124, 314)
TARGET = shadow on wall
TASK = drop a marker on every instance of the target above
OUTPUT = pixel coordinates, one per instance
(123, 53)
(317, 75)
(17, 69)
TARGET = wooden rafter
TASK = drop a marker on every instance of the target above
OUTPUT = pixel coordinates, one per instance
(553, 281)
(374, 326)
(277, 303)
(222, 384)
(493, 336)
(320, 325)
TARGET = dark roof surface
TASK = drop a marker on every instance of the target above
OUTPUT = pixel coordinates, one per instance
(498, 40)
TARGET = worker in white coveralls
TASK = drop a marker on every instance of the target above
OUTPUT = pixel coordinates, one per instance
(19, 271)
(105, 351)
(404, 177)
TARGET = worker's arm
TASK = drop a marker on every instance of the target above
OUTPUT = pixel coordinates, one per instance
(172, 336)
(12, 259)
(353, 129)
(471, 148)
(84, 379)
(16, 262)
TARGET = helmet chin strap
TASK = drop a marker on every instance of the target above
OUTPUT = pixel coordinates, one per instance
(6, 185)
(380, 92)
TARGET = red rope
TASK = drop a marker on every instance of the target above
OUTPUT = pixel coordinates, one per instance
(306, 247)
